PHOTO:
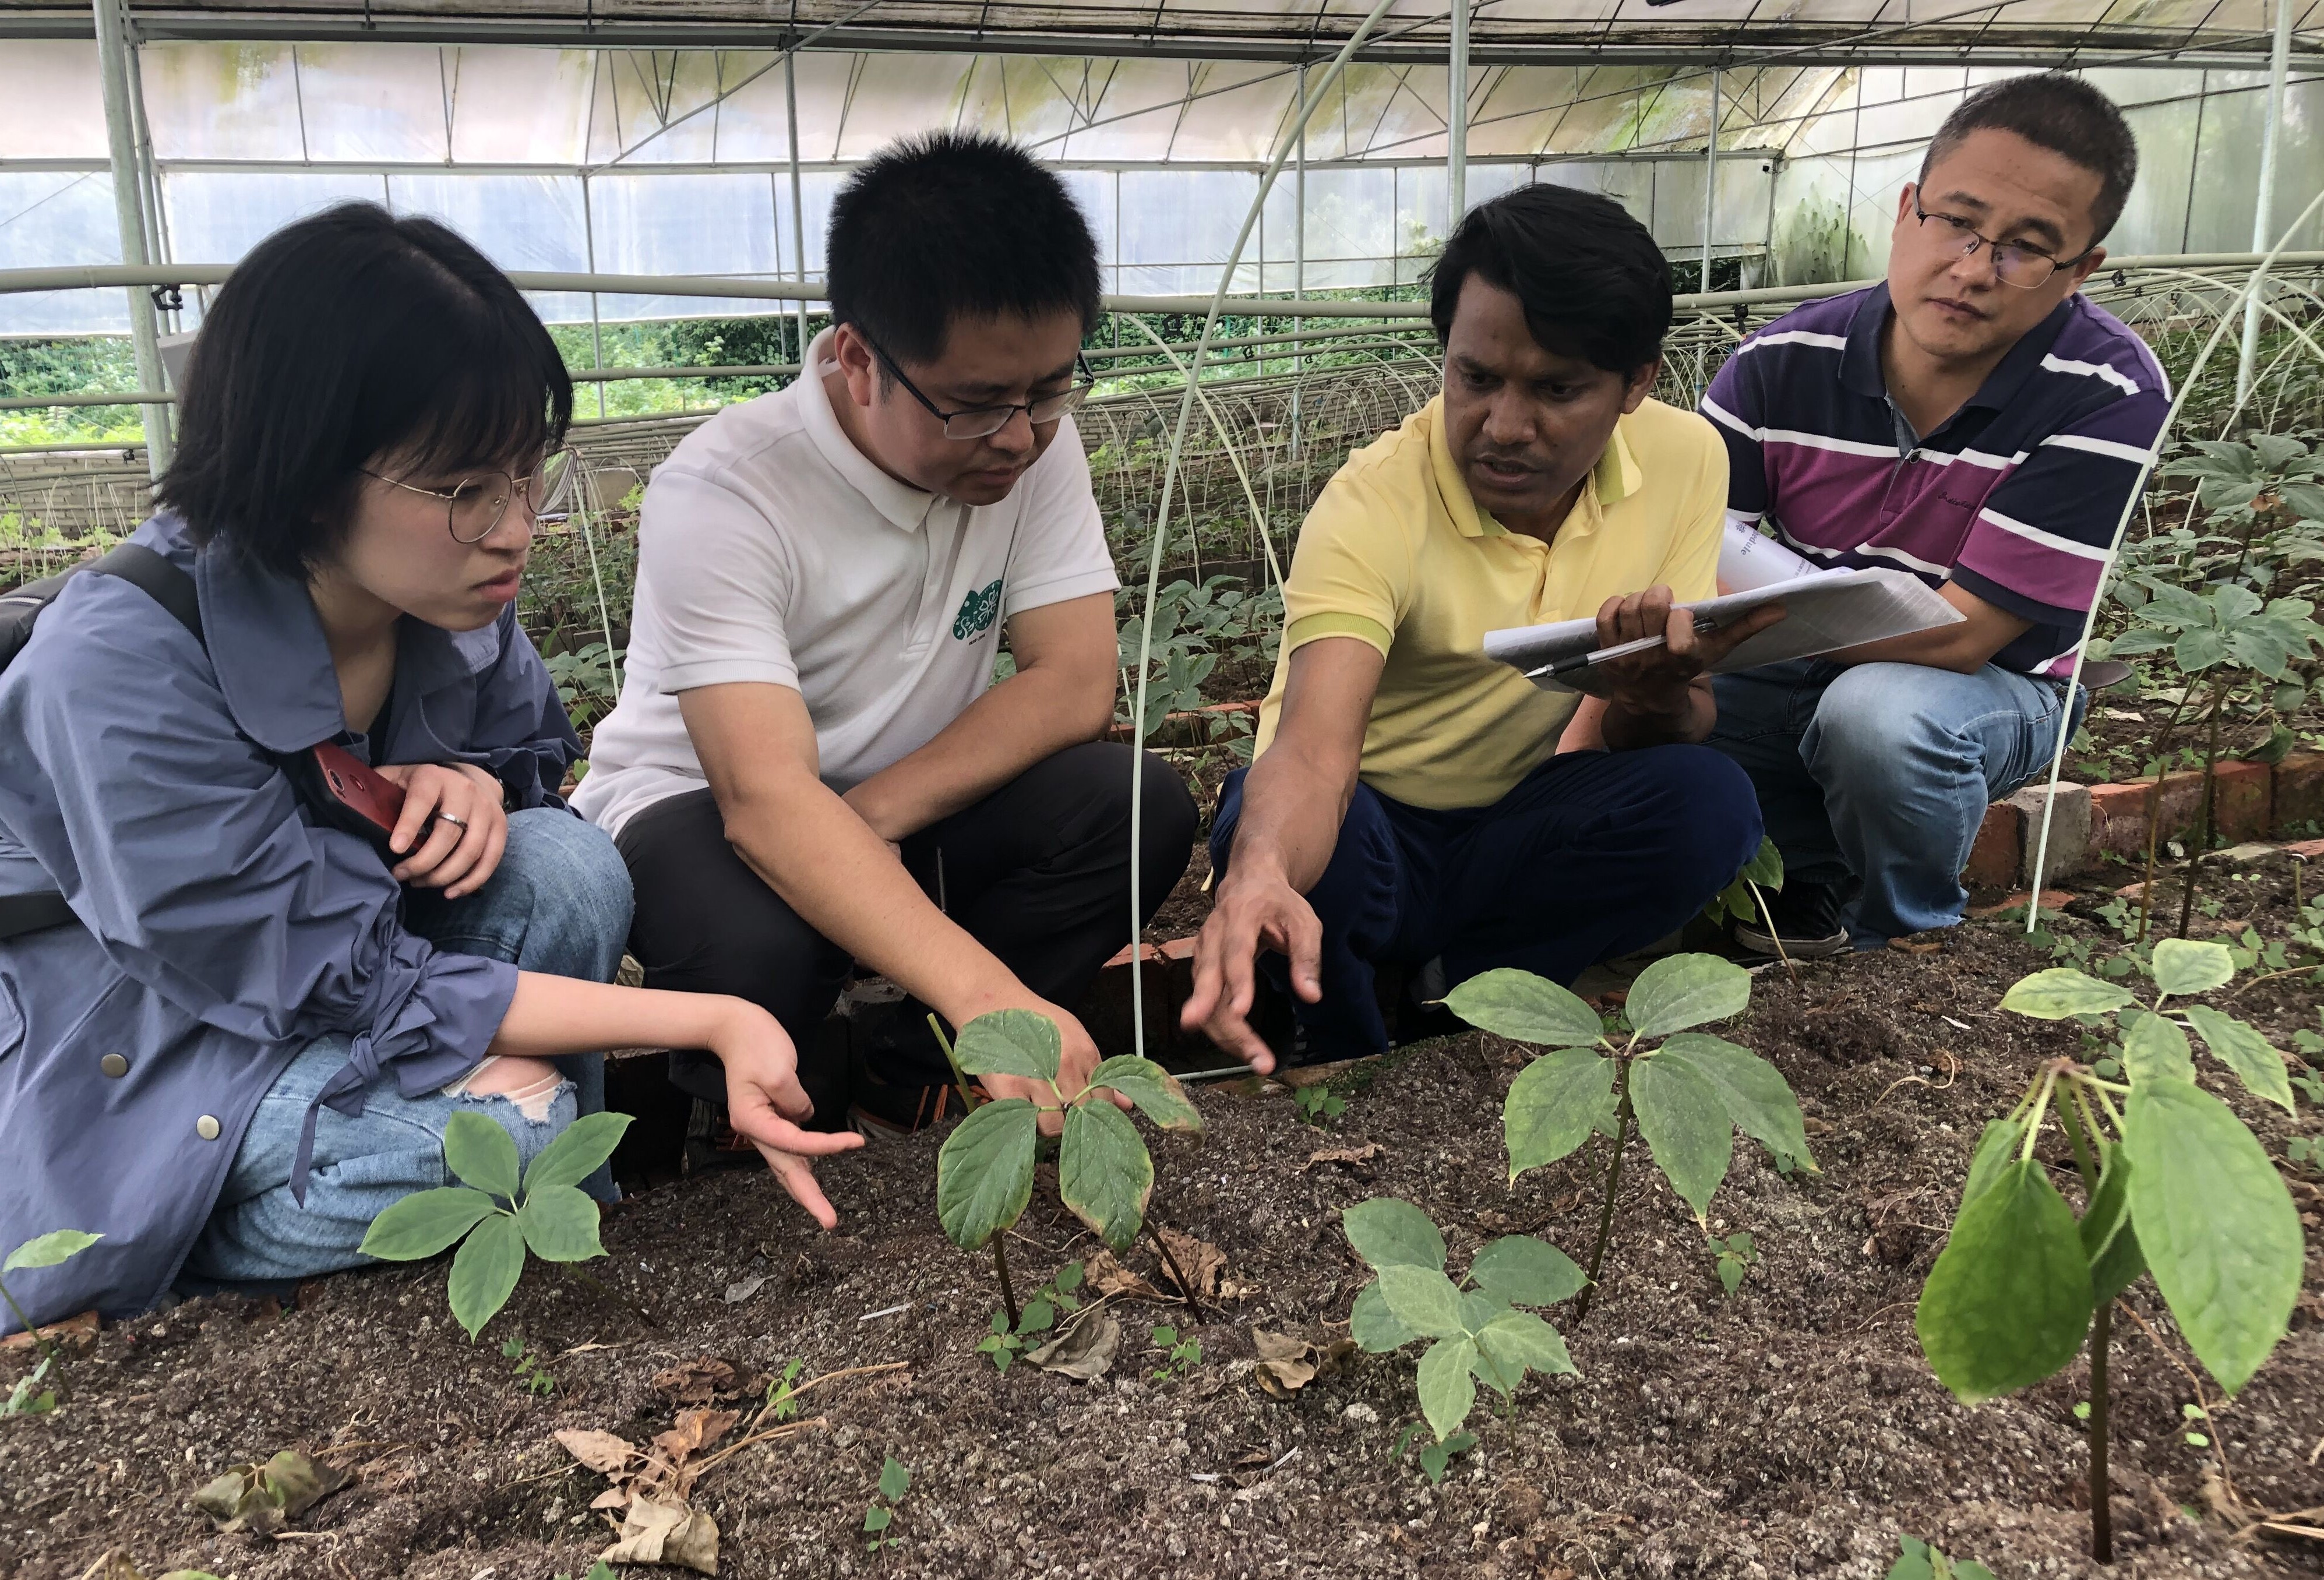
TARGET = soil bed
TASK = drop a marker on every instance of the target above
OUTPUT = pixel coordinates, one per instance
(1791, 1429)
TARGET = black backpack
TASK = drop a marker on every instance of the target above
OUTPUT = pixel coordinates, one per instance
(142, 569)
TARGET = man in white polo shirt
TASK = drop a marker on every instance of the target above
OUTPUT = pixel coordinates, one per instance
(810, 766)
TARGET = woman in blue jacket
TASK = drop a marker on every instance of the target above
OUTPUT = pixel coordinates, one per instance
(247, 1039)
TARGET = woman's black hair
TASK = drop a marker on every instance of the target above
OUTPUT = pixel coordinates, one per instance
(1593, 281)
(344, 340)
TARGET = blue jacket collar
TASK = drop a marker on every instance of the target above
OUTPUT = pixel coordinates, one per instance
(273, 666)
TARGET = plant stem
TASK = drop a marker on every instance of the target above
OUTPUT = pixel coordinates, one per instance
(959, 1076)
(1769, 918)
(1185, 1284)
(1008, 1290)
(1613, 1186)
(2154, 811)
(39, 1340)
(2211, 794)
(2102, 1493)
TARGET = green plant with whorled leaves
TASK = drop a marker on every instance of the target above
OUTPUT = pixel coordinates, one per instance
(2174, 1185)
(1688, 1092)
(494, 1217)
(1105, 1176)
(1478, 1330)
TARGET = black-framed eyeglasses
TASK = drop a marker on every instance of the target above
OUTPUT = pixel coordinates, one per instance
(983, 421)
(475, 507)
(2014, 262)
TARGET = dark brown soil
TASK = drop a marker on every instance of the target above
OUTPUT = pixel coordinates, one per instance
(1791, 1430)
(2126, 732)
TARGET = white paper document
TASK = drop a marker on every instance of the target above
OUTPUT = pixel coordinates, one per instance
(1823, 613)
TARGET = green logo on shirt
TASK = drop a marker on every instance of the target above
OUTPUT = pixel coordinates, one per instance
(977, 612)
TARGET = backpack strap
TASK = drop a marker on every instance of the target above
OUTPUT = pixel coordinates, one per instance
(174, 590)
(158, 579)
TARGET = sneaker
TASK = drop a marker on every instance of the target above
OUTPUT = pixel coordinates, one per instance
(1805, 923)
(898, 1080)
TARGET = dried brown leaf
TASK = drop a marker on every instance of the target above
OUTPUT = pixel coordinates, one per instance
(601, 1451)
(696, 1430)
(262, 1498)
(1106, 1275)
(1363, 1154)
(611, 1498)
(703, 1380)
(1288, 1364)
(658, 1532)
(1084, 1349)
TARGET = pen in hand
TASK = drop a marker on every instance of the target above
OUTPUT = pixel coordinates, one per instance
(1621, 650)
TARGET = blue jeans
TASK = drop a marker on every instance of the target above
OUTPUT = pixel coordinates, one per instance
(1591, 855)
(1884, 772)
(559, 903)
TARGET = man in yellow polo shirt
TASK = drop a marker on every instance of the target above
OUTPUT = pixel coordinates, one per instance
(1413, 802)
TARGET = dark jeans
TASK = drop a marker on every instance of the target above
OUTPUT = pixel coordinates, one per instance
(1038, 872)
(1592, 856)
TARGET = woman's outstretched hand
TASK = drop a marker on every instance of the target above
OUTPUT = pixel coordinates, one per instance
(766, 1103)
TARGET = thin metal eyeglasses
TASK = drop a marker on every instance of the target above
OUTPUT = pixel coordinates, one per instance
(473, 507)
(983, 421)
(2014, 262)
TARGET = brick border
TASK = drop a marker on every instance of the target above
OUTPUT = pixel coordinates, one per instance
(2254, 801)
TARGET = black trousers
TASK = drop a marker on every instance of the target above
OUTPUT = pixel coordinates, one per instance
(1038, 872)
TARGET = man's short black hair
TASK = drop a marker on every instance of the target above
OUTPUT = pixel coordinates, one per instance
(1593, 281)
(956, 224)
(2065, 114)
(343, 340)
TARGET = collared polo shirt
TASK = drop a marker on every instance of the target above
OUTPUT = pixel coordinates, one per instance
(2017, 496)
(1396, 553)
(771, 549)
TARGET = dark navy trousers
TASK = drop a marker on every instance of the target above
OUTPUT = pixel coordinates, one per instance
(1592, 856)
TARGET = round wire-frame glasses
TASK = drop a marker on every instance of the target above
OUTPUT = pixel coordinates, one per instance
(475, 507)
(983, 421)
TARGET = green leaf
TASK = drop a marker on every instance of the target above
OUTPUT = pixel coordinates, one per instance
(875, 1518)
(1447, 1390)
(1520, 1339)
(1389, 1232)
(1104, 1173)
(60, 1244)
(2132, 644)
(1553, 1105)
(484, 1269)
(1521, 1271)
(482, 1154)
(1686, 1128)
(2257, 648)
(576, 1154)
(2108, 1242)
(1995, 1148)
(1680, 991)
(1766, 867)
(985, 1171)
(2190, 966)
(1755, 1094)
(2009, 1300)
(2061, 991)
(560, 1225)
(1154, 1089)
(420, 1224)
(2241, 1048)
(1011, 1042)
(2154, 1049)
(1422, 1299)
(1525, 1008)
(1913, 1564)
(895, 1479)
(2200, 648)
(2215, 1224)
(1373, 1327)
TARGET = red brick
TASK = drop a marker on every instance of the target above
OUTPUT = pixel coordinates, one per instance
(1992, 860)
(2299, 792)
(2051, 900)
(2240, 800)
(2118, 817)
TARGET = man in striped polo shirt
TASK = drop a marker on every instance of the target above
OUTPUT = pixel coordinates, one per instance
(1976, 421)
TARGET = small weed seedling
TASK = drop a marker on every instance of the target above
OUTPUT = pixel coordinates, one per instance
(781, 1406)
(984, 1170)
(1688, 1095)
(1318, 1104)
(2305, 1152)
(1009, 1336)
(2174, 1184)
(1181, 1357)
(600, 1570)
(531, 1375)
(895, 1480)
(1435, 1457)
(493, 1218)
(1733, 1257)
(29, 1398)
(1479, 1332)
(1920, 1561)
